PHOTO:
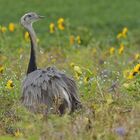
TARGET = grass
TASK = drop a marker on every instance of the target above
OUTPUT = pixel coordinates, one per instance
(98, 15)
(111, 101)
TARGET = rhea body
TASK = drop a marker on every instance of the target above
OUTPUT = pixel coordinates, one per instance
(46, 90)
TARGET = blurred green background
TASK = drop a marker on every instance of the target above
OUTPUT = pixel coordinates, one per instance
(102, 16)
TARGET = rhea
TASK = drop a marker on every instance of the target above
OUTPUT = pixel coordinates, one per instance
(46, 90)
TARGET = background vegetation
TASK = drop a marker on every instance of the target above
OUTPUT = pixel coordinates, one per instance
(99, 47)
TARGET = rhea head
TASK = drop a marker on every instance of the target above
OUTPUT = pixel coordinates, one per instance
(29, 18)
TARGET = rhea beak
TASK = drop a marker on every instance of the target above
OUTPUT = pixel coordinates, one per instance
(41, 17)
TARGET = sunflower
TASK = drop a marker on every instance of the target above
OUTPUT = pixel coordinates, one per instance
(52, 28)
(61, 24)
(11, 27)
(9, 84)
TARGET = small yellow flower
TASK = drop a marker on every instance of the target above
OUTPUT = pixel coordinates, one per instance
(26, 36)
(61, 27)
(111, 50)
(11, 27)
(1, 69)
(60, 20)
(3, 29)
(124, 32)
(52, 28)
(18, 133)
(78, 70)
(61, 24)
(119, 35)
(72, 64)
(136, 68)
(134, 72)
(121, 49)
(77, 76)
(72, 40)
(86, 80)
(78, 38)
(9, 84)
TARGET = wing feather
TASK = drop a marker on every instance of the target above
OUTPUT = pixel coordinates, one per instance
(47, 87)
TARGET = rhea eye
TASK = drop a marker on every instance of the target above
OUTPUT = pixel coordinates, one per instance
(29, 16)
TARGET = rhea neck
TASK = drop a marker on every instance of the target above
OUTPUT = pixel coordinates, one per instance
(32, 66)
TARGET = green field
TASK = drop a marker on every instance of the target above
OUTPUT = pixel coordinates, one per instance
(98, 15)
(108, 74)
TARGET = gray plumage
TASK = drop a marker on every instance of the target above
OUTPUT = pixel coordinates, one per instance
(48, 90)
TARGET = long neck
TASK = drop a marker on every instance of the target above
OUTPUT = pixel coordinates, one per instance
(32, 66)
